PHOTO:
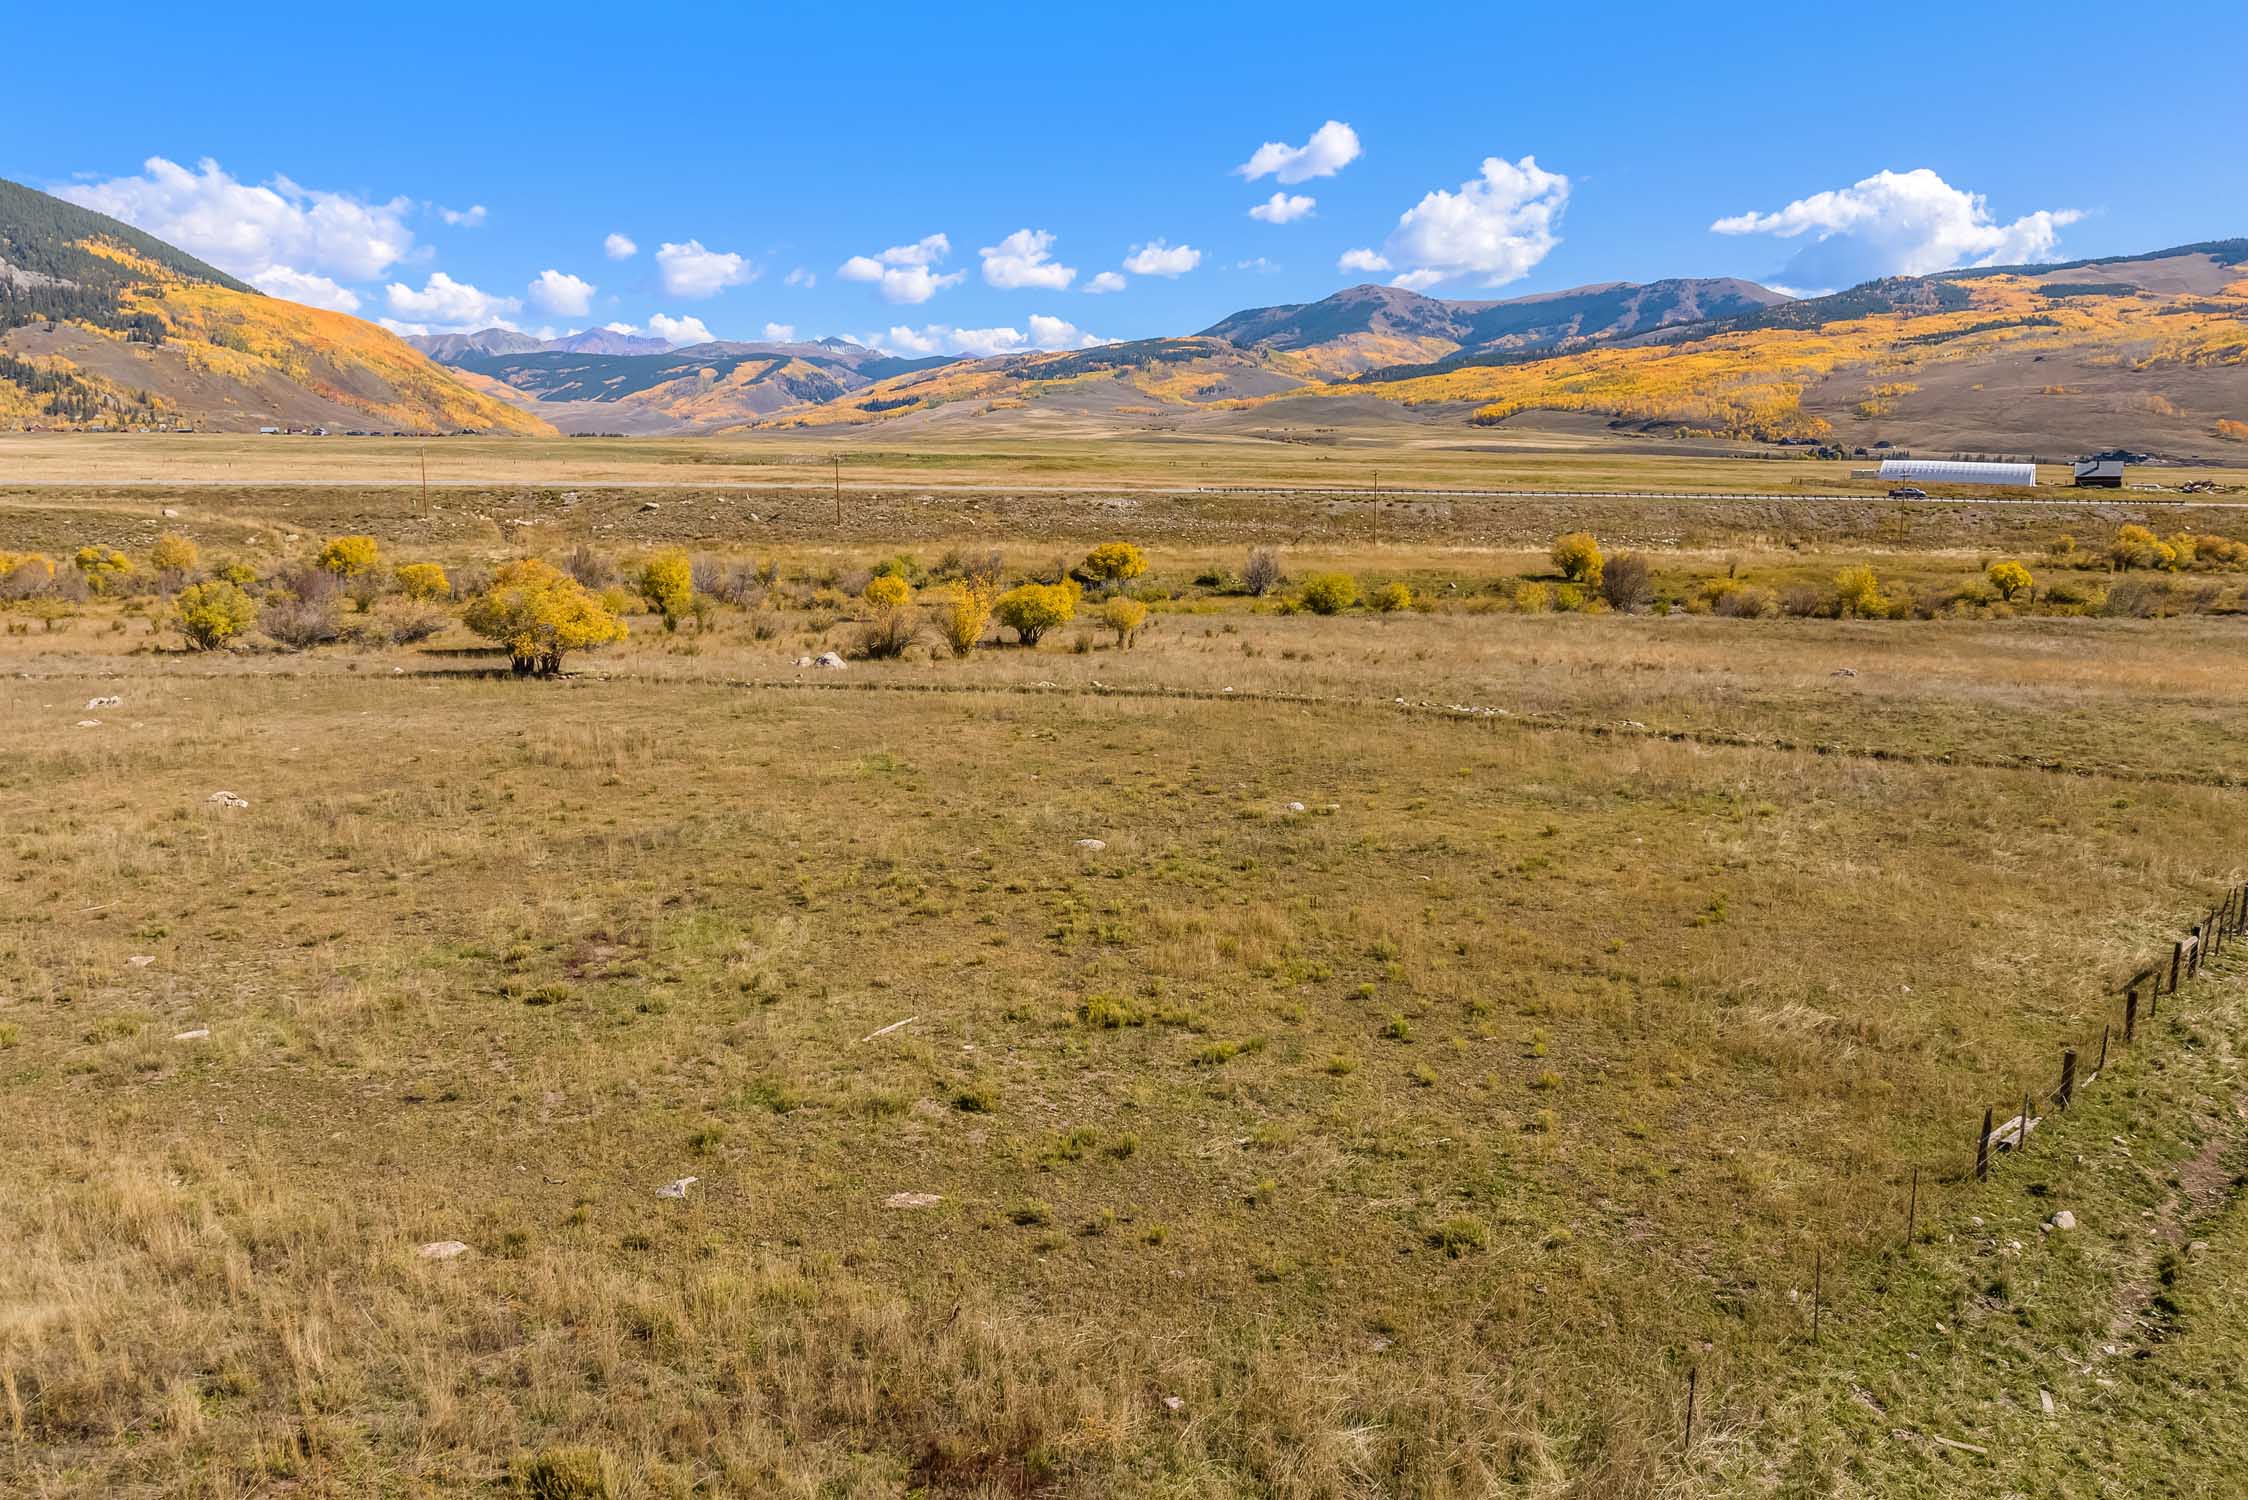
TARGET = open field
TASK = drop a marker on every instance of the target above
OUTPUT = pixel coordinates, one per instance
(1476, 1021)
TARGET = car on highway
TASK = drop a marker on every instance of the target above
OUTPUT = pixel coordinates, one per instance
(1908, 492)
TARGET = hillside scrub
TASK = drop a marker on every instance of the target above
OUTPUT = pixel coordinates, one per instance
(350, 556)
(1328, 593)
(213, 613)
(540, 614)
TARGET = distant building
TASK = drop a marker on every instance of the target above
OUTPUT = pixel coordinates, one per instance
(2102, 473)
(269, 429)
(1952, 471)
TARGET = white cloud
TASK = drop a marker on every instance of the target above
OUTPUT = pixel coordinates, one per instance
(680, 332)
(1362, 261)
(1497, 227)
(1025, 258)
(463, 218)
(1255, 263)
(691, 271)
(1899, 224)
(1284, 208)
(781, 333)
(622, 327)
(444, 303)
(618, 247)
(1162, 259)
(905, 272)
(1106, 281)
(248, 230)
(1332, 147)
(563, 294)
(800, 277)
(940, 338)
(312, 291)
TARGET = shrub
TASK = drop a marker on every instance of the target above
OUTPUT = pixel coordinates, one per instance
(2009, 578)
(1329, 593)
(1858, 592)
(887, 591)
(2133, 547)
(2231, 431)
(301, 623)
(173, 554)
(349, 556)
(667, 583)
(1533, 598)
(1459, 1235)
(23, 574)
(590, 568)
(1627, 581)
(1391, 597)
(104, 568)
(963, 613)
(1125, 617)
(1032, 609)
(886, 636)
(540, 613)
(567, 1474)
(423, 581)
(1747, 602)
(1577, 555)
(1261, 574)
(1114, 562)
(236, 572)
(211, 614)
(398, 622)
(2062, 549)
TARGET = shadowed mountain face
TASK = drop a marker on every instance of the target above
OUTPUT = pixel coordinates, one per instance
(1611, 310)
(103, 326)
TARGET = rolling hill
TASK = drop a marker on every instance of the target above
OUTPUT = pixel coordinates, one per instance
(2148, 352)
(103, 326)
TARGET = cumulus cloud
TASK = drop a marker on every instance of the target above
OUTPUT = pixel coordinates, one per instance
(560, 293)
(312, 291)
(619, 247)
(940, 338)
(691, 271)
(253, 230)
(781, 333)
(905, 273)
(1160, 258)
(1023, 259)
(444, 303)
(800, 277)
(1498, 226)
(1332, 147)
(622, 327)
(463, 218)
(1284, 208)
(1255, 263)
(1899, 224)
(1106, 281)
(679, 332)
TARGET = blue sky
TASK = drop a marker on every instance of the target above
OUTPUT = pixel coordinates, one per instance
(802, 160)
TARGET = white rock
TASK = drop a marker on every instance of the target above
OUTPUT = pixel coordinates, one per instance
(170, 514)
(105, 703)
(649, 505)
(89, 723)
(677, 1189)
(913, 1200)
(831, 661)
(200, 1033)
(1295, 807)
(2045, 1399)
(228, 799)
(2064, 1220)
(1092, 846)
(141, 960)
(1175, 1403)
(442, 1249)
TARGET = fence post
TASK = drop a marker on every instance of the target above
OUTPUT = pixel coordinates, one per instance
(2102, 1067)
(1693, 1378)
(2131, 1012)
(1982, 1148)
(2021, 1135)
(1912, 1207)
(1818, 1283)
(2068, 1078)
(2177, 953)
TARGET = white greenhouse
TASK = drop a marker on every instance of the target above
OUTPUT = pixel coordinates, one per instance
(1950, 471)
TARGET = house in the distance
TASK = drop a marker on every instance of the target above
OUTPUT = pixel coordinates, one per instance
(2100, 473)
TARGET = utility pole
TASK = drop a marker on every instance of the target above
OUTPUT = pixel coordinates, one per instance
(838, 461)
(1377, 507)
(424, 452)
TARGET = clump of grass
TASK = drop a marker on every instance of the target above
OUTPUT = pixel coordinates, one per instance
(978, 1098)
(1397, 1029)
(567, 1474)
(1070, 1146)
(708, 1139)
(1422, 1075)
(1031, 1212)
(1123, 1146)
(1342, 1064)
(772, 1094)
(1459, 1235)
(1218, 1053)
(1107, 1013)
(1546, 1080)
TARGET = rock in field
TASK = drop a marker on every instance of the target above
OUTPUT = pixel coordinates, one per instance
(831, 661)
(1092, 846)
(913, 1200)
(228, 799)
(677, 1189)
(442, 1249)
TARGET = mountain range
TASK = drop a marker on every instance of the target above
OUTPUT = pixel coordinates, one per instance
(103, 325)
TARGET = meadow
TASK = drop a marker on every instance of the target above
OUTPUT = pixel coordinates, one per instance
(1390, 1052)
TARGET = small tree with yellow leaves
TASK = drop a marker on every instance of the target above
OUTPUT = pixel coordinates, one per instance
(667, 583)
(104, 568)
(1124, 616)
(350, 556)
(423, 581)
(887, 591)
(1032, 609)
(1114, 562)
(540, 613)
(1858, 592)
(213, 613)
(1577, 555)
(2009, 578)
(174, 554)
(963, 613)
